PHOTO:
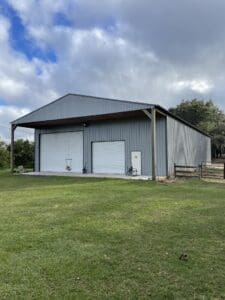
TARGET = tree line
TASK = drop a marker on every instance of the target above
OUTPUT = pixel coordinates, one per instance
(24, 154)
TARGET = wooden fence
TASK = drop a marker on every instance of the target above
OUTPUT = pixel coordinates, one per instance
(204, 170)
(214, 171)
(186, 171)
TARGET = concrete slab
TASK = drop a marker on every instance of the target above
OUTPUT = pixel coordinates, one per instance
(72, 174)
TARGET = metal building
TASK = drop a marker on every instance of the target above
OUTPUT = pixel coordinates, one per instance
(86, 134)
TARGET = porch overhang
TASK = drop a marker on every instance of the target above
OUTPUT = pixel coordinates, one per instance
(85, 119)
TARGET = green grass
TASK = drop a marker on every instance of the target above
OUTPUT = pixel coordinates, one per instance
(71, 238)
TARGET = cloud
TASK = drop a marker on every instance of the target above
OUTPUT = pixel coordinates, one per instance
(156, 51)
(7, 114)
(4, 28)
(199, 86)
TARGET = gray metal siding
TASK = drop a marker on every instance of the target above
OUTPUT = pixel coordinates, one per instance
(75, 106)
(161, 150)
(186, 146)
(136, 133)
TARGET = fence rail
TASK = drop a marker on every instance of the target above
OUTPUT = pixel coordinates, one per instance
(186, 171)
(216, 171)
(204, 170)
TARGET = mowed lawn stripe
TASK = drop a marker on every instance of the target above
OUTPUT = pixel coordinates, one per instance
(96, 239)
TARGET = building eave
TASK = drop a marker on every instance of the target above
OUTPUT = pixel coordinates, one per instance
(85, 119)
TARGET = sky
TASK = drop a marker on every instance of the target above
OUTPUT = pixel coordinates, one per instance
(155, 51)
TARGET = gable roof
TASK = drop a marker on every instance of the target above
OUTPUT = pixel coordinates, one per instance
(77, 106)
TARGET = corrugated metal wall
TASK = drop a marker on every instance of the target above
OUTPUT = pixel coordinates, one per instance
(161, 150)
(186, 146)
(136, 133)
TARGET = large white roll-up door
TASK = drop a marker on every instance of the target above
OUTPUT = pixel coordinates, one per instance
(108, 157)
(61, 152)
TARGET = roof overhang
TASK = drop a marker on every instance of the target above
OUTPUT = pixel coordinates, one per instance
(70, 121)
(74, 109)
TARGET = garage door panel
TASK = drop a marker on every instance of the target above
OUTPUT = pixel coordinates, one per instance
(108, 157)
(61, 149)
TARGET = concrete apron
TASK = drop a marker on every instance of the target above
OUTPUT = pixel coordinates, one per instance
(72, 174)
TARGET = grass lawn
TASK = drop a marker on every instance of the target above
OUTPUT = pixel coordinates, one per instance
(71, 238)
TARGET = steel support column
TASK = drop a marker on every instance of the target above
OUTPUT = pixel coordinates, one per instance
(152, 117)
(13, 128)
(153, 138)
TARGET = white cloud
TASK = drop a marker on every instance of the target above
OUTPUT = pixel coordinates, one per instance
(156, 51)
(7, 114)
(199, 86)
(4, 28)
(11, 88)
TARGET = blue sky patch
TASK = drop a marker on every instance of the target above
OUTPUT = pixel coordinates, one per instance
(2, 101)
(61, 19)
(19, 38)
(108, 23)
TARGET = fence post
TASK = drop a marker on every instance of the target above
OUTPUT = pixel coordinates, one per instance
(175, 171)
(201, 170)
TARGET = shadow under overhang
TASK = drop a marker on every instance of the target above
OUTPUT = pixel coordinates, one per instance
(71, 121)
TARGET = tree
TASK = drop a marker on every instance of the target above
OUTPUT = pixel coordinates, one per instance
(207, 117)
(4, 156)
(23, 153)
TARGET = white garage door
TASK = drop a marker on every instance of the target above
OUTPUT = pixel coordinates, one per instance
(61, 152)
(108, 157)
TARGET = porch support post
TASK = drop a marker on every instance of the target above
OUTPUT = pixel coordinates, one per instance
(153, 138)
(13, 128)
(152, 117)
